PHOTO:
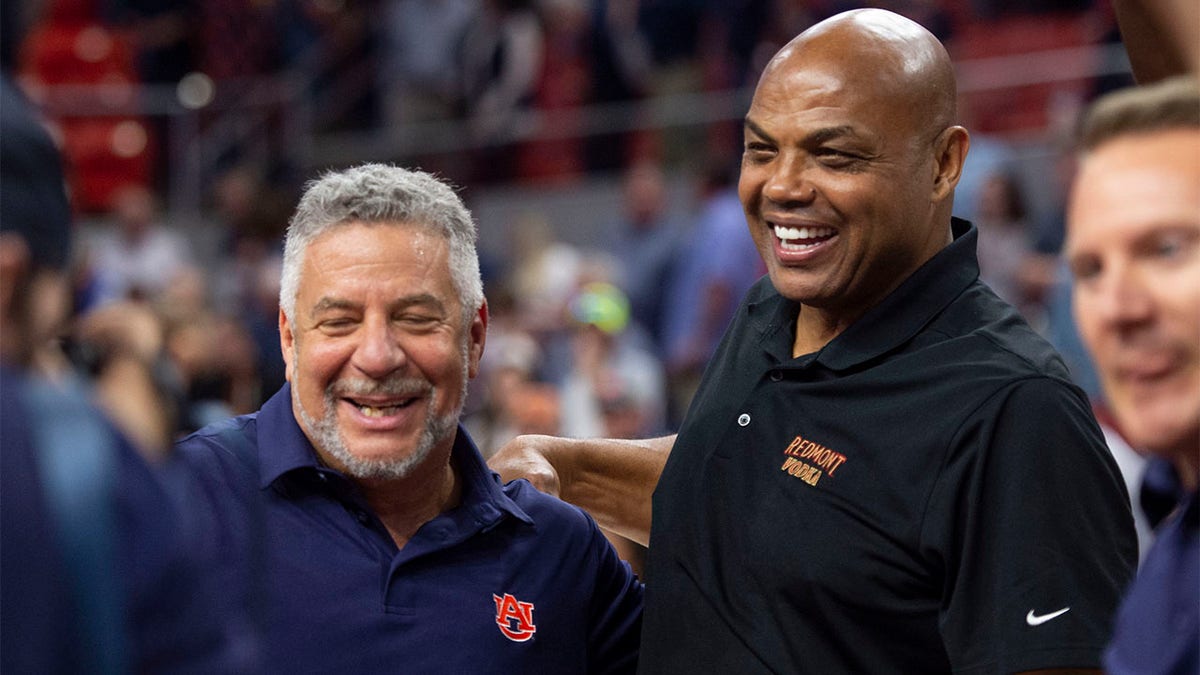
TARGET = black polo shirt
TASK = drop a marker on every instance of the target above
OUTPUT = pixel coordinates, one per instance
(927, 493)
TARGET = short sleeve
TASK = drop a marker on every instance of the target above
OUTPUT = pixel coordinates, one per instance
(1039, 543)
(615, 615)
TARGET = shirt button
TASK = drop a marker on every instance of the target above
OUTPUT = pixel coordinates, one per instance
(362, 517)
(776, 375)
(743, 420)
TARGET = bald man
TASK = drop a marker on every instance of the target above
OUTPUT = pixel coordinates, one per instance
(885, 470)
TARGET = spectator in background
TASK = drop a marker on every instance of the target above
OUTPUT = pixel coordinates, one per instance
(544, 272)
(620, 68)
(501, 58)
(1004, 245)
(615, 388)
(420, 53)
(98, 563)
(718, 264)
(646, 246)
(1133, 246)
(250, 215)
(136, 257)
(509, 399)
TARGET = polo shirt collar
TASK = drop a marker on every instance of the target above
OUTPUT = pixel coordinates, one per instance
(283, 448)
(895, 320)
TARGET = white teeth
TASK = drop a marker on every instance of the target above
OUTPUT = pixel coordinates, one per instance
(787, 233)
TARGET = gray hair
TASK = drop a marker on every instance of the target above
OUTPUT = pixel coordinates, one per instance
(378, 193)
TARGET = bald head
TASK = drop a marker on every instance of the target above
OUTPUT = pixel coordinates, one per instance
(850, 161)
(898, 59)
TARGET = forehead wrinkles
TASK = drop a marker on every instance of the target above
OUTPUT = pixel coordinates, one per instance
(864, 103)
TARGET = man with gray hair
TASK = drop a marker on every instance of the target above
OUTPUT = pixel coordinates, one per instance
(357, 516)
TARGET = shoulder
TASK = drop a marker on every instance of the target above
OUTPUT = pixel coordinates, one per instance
(548, 512)
(989, 334)
(218, 436)
(558, 525)
(219, 451)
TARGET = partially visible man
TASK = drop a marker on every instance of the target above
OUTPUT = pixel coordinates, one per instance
(385, 543)
(97, 569)
(1162, 37)
(885, 469)
(1133, 245)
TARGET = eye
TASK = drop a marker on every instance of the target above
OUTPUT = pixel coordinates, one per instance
(338, 325)
(1084, 268)
(837, 158)
(758, 151)
(417, 321)
(1172, 245)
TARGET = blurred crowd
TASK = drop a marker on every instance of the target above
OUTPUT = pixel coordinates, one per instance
(605, 341)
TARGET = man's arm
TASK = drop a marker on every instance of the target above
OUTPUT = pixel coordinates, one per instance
(1162, 37)
(613, 480)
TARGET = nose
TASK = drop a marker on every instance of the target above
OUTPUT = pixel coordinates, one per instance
(788, 182)
(379, 352)
(1124, 301)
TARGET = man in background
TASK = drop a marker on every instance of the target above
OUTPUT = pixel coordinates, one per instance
(1133, 246)
(98, 572)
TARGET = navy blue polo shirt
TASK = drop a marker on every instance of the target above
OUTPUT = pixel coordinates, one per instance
(510, 581)
(928, 493)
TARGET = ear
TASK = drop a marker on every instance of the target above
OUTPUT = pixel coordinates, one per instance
(950, 151)
(477, 338)
(287, 341)
(14, 265)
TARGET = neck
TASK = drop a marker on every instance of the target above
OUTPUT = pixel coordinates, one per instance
(815, 329)
(1187, 463)
(403, 505)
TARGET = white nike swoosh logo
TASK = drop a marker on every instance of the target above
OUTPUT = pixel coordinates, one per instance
(1036, 620)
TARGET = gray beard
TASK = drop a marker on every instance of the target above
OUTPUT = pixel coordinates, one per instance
(328, 438)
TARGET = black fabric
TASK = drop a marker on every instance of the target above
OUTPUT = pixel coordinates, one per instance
(899, 502)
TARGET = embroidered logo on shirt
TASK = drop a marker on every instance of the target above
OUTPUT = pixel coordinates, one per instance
(809, 461)
(515, 618)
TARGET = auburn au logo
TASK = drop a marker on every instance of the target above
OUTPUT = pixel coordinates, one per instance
(515, 618)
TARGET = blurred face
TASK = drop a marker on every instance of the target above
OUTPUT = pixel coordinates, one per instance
(377, 354)
(1133, 245)
(837, 182)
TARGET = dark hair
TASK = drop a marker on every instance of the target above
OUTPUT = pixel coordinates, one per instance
(33, 197)
(1169, 104)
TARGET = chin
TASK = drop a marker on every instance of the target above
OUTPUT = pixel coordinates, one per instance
(382, 464)
(1162, 436)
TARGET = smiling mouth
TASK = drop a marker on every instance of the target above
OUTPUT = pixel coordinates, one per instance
(802, 238)
(375, 410)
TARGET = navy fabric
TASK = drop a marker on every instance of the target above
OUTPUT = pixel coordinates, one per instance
(1158, 625)
(509, 581)
(98, 568)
